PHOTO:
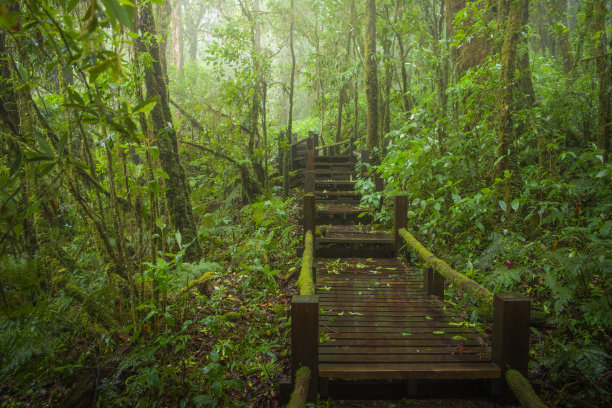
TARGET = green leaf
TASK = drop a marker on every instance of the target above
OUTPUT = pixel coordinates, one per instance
(405, 333)
(62, 143)
(16, 163)
(123, 14)
(179, 238)
(502, 205)
(438, 332)
(45, 147)
(146, 106)
(155, 187)
(515, 204)
(99, 68)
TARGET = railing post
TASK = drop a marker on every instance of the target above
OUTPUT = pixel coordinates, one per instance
(511, 313)
(399, 219)
(281, 153)
(315, 137)
(433, 282)
(309, 160)
(379, 183)
(309, 182)
(365, 160)
(305, 339)
(309, 213)
(310, 141)
(293, 156)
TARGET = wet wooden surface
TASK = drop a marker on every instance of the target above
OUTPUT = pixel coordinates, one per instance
(379, 324)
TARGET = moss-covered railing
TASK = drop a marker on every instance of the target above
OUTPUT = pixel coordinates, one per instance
(305, 313)
(511, 311)
(522, 390)
(458, 279)
(334, 147)
(299, 396)
(305, 282)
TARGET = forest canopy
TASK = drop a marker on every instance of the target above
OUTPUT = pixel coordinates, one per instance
(149, 211)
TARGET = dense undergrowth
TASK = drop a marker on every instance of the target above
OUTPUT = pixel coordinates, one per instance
(214, 335)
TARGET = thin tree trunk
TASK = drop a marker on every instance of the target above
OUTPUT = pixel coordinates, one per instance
(604, 72)
(507, 154)
(290, 119)
(177, 191)
(371, 79)
(177, 34)
(342, 91)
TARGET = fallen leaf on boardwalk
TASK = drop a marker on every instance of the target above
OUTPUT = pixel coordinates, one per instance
(356, 314)
(340, 313)
(438, 332)
(428, 318)
(326, 288)
(406, 334)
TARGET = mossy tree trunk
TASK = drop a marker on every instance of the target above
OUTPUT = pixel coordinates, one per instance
(177, 189)
(510, 83)
(371, 78)
(604, 72)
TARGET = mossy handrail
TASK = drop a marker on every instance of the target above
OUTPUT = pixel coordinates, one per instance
(305, 281)
(457, 278)
(333, 145)
(523, 391)
(300, 390)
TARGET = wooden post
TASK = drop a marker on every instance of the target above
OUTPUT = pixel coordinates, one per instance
(511, 313)
(365, 159)
(310, 141)
(305, 339)
(281, 158)
(399, 220)
(309, 182)
(309, 213)
(433, 282)
(294, 156)
(316, 142)
(309, 160)
(379, 182)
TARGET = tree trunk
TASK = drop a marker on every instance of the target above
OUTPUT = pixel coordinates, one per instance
(177, 34)
(371, 78)
(290, 119)
(342, 91)
(604, 72)
(177, 190)
(509, 83)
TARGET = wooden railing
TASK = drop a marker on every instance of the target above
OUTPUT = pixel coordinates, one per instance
(523, 390)
(511, 311)
(331, 148)
(299, 396)
(305, 310)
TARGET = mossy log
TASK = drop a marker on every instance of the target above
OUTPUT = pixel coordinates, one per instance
(523, 390)
(458, 279)
(305, 281)
(202, 284)
(300, 390)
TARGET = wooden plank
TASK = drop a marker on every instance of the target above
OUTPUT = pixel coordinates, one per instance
(410, 371)
(403, 342)
(422, 329)
(394, 335)
(447, 349)
(418, 357)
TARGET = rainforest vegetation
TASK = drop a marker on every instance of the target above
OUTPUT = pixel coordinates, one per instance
(147, 234)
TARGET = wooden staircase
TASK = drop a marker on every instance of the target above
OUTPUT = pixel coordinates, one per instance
(377, 320)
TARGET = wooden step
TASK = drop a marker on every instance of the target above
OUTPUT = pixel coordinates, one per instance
(402, 370)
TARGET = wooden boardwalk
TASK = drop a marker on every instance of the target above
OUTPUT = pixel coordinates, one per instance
(379, 324)
(366, 315)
